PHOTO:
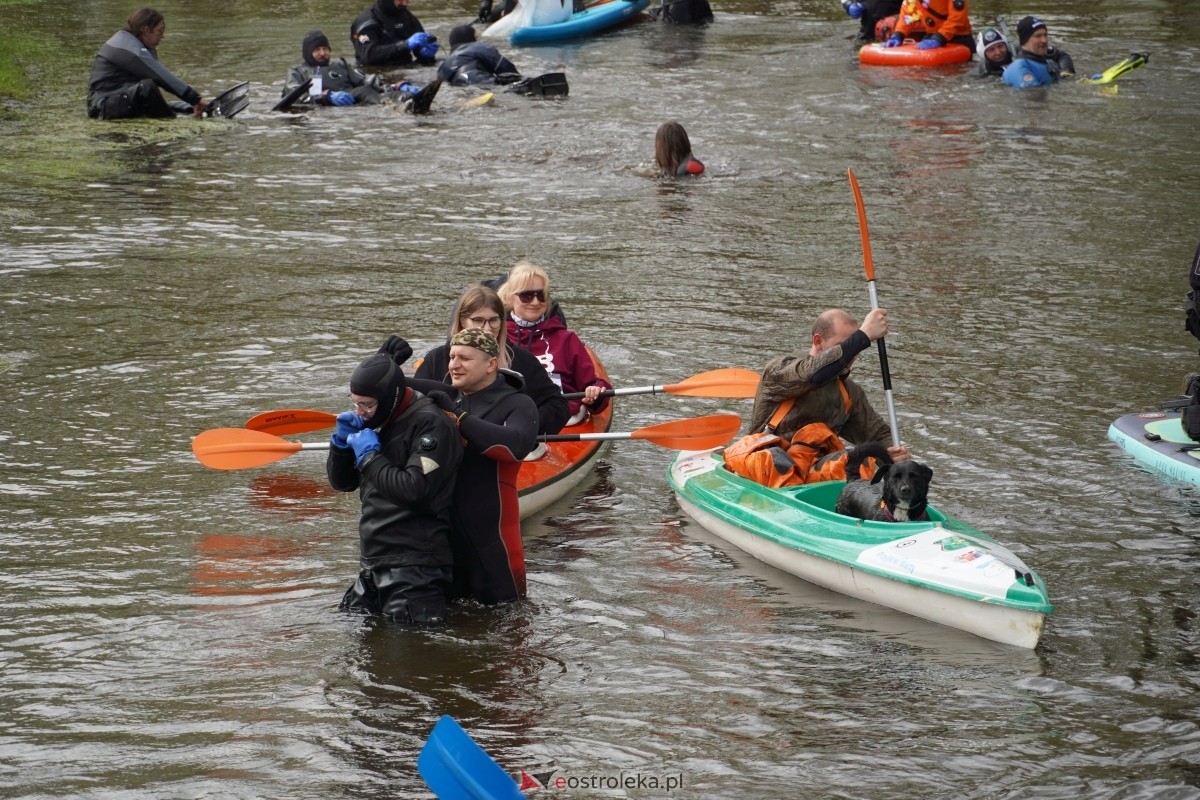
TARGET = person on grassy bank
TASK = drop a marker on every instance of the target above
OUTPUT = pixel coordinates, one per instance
(127, 77)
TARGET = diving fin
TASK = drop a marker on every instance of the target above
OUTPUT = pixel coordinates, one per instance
(422, 100)
(292, 97)
(551, 84)
(1129, 64)
(229, 102)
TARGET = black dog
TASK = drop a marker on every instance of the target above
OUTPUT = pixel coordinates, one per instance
(903, 497)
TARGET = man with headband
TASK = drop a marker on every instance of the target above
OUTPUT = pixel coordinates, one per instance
(401, 453)
(498, 423)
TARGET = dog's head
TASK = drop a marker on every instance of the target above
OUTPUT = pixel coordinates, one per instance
(905, 484)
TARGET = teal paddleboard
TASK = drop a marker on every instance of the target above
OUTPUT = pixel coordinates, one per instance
(1156, 440)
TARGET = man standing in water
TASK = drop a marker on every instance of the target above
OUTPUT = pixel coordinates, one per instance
(498, 423)
(401, 453)
(127, 76)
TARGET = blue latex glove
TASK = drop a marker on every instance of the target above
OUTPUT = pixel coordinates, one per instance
(404, 87)
(417, 40)
(895, 40)
(341, 98)
(364, 443)
(426, 52)
(348, 423)
(855, 10)
(932, 43)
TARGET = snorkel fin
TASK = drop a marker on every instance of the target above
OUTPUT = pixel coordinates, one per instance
(1129, 64)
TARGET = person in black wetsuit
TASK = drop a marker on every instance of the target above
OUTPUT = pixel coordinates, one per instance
(869, 14)
(683, 12)
(994, 53)
(498, 423)
(339, 83)
(387, 34)
(475, 63)
(480, 307)
(401, 453)
(127, 77)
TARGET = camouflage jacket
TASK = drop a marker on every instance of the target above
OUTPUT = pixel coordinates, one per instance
(790, 376)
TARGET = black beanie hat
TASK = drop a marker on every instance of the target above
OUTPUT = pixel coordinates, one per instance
(463, 34)
(1027, 26)
(312, 41)
(379, 377)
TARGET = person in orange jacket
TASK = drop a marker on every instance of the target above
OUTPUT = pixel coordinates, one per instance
(933, 23)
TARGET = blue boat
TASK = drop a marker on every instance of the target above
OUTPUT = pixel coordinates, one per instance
(592, 20)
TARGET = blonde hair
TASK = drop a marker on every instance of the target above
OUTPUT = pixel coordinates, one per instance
(474, 299)
(521, 275)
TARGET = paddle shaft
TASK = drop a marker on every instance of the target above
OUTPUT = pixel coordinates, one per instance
(730, 382)
(869, 266)
(242, 448)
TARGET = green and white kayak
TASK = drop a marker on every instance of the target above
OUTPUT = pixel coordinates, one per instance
(1157, 439)
(942, 570)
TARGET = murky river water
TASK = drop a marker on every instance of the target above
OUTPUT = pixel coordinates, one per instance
(170, 631)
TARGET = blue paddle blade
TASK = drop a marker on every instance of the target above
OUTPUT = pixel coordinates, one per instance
(455, 768)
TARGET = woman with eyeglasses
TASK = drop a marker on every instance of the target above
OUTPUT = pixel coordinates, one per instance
(480, 307)
(127, 77)
(533, 328)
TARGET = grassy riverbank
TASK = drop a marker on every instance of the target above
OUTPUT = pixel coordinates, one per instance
(22, 54)
(47, 142)
(19, 55)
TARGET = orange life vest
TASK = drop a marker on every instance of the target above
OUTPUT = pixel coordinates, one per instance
(814, 454)
(947, 17)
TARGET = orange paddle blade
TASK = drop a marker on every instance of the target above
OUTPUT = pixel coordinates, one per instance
(698, 433)
(730, 382)
(868, 263)
(238, 448)
(291, 420)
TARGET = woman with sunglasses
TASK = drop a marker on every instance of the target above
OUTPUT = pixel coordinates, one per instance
(480, 307)
(533, 328)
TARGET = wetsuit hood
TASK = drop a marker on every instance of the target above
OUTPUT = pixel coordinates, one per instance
(312, 41)
(387, 9)
(381, 378)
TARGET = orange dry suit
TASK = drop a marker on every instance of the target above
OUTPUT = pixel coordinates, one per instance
(945, 18)
(814, 454)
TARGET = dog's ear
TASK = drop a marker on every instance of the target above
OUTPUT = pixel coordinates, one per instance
(880, 473)
(926, 472)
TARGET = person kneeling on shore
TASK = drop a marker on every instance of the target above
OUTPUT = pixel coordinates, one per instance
(127, 76)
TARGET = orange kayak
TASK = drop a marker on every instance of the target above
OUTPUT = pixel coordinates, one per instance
(563, 465)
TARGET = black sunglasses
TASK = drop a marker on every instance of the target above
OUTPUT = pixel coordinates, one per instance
(529, 295)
